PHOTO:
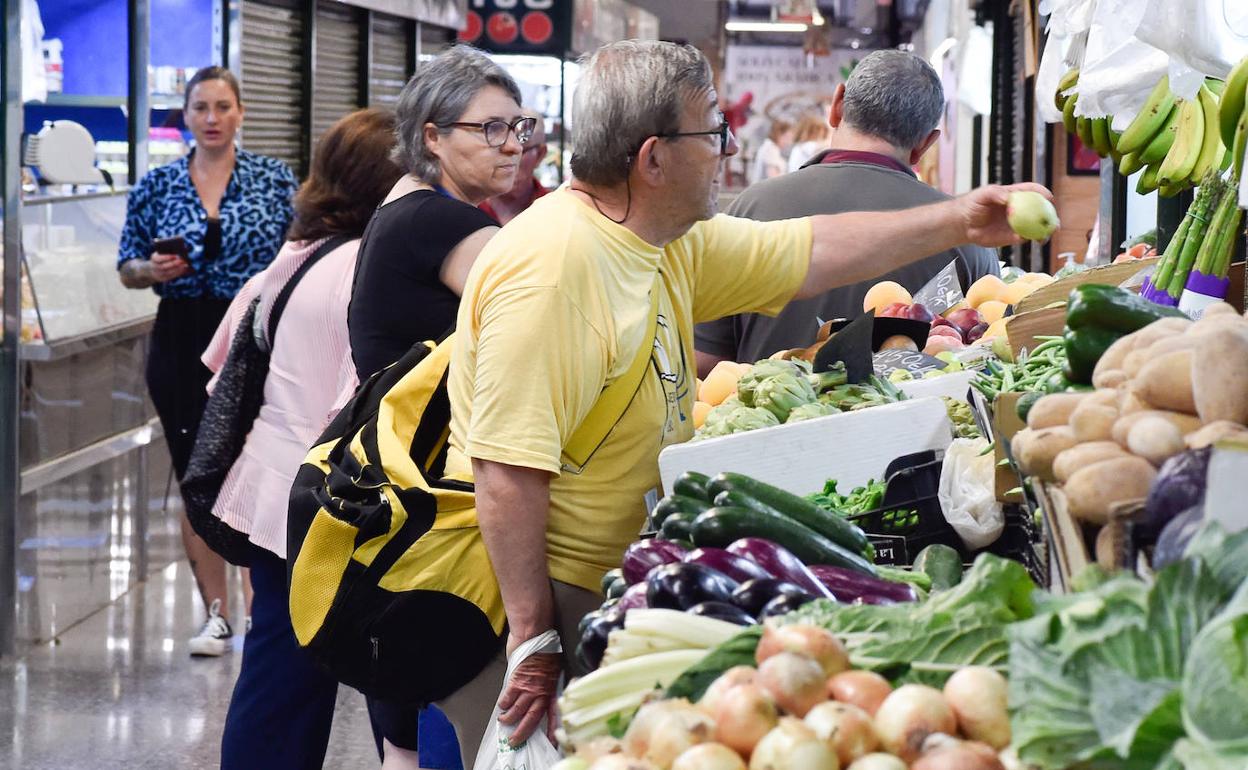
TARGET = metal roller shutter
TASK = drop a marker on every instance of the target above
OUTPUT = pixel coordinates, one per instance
(336, 67)
(272, 53)
(389, 60)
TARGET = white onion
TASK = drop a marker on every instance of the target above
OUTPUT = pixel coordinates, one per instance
(811, 641)
(744, 715)
(709, 756)
(864, 689)
(978, 697)
(680, 731)
(792, 746)
(878, 761)
(846, 728)
(964, 755)
(796, 682)
(571, 763)
(726, 681)
(910, 714)
(599, 747)
(621, 762)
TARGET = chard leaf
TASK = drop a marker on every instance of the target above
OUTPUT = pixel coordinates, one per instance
(991, 583)
(929, 653)
(737, 651)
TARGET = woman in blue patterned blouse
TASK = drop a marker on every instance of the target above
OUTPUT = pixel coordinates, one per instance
(232, 209)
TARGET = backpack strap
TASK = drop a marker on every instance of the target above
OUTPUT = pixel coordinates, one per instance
(283, 297)
(614, 399)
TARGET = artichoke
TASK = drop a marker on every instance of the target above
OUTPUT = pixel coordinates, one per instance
(783, 393)
(763, 370)
(810, 412)
(745, 418)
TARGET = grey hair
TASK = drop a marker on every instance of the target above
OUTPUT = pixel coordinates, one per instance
(439, 93)
(896, 96)
(630, 91)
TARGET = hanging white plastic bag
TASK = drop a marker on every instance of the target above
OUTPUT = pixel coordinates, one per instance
(1203, 38)
(967, 493)
(537, 753)
(1119, 71)
(1052, 67)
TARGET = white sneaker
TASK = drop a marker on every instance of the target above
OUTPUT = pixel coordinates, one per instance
(213, 640)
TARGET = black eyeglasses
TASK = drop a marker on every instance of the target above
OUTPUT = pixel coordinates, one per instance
(723, 132)
(496, 131)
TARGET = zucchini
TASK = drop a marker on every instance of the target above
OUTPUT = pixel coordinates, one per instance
(678, 504)
(1026, 402)
(678, 526)
(942, 563)
(692, 484)
(822, 521)
(609, 577)
(719, 527)
(616, 588)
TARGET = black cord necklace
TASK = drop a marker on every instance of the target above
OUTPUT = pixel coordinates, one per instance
(628, 187)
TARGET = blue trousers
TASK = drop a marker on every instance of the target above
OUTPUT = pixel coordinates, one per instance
(283, 704)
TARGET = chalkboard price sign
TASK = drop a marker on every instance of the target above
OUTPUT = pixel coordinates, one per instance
(886, 362)
(942, 292)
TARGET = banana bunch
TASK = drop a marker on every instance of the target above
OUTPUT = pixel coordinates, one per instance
(1094, 133)
(1233, 119)
(1176, 141)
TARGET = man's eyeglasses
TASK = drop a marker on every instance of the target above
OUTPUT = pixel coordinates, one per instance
(496, 131)
(723, 132)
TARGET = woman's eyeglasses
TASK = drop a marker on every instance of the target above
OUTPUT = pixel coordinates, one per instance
(496, 131)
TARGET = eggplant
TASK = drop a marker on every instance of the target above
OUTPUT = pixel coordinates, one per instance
(753, 595)
(736, 567)
(723, 611)
(783, 605)
(1179, 485)
(645, 555)
(1176, 535)
(634, 598)
(594, 638)
(680, 586)
(780, 563)
(851, 586)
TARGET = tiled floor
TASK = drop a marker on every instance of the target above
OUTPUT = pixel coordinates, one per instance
(118, 690)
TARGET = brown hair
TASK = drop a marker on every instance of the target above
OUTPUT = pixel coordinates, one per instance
(211, 73)
(778, 127)
(811, 128)
(350, 176)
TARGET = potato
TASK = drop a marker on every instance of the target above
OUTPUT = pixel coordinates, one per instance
(1093, 422)
(1054, 410)
(1111, 360)
(1134, 362)
(1164, 327)
(1186, 423)
(1110, 379)
(1035, 450)
(1129, 402)
(1104, 397)
(1215, 432)
(1092, 492)
(1156, 439)
(1221, 389)
(1170, 344)
(1166, 382)
(1112, 545)
(1219, 308)
(1082, 456)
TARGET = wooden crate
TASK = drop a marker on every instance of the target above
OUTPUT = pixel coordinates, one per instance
(1005, 424)
(1067, 547)
(1022, 329)
(1059, 291)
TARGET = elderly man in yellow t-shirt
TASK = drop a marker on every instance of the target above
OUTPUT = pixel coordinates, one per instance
(557, 305)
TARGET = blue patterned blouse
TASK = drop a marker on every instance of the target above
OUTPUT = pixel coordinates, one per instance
(256, 211)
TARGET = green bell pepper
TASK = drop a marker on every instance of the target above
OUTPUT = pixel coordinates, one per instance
(1084, 347)
(1108, 307)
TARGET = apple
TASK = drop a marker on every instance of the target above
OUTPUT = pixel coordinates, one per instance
(945, 331)
(918, 312)
(976, 332)
(895, 310)
(965, 319)
(941, 321)
(941, 343)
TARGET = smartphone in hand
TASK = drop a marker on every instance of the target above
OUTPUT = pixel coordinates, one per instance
(175, 245)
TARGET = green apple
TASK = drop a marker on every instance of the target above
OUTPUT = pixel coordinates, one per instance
(1031, 215)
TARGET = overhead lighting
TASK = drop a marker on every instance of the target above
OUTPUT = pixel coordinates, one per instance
(741, 25)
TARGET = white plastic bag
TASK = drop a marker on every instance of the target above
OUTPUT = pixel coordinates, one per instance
(1118, 71)
(537, 753)
(1202, 38)
(967, 493)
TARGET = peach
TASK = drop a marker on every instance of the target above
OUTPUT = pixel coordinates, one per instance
(989, 287)
(883, 294)
(700, 408)
(993, 310)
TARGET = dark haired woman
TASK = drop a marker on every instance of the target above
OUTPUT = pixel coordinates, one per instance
(231, 208)
(283, 704)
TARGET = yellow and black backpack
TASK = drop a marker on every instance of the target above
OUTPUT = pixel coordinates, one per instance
(391, 588)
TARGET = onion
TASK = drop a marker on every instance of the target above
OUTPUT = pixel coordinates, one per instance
(978, 695)
(864, 689)
(795, 682)
(621, 762)
(878, 761)
(847, 729)
(792, 746)
(910, 714)
(964, 755)
(744, 715)
(663, 729)
(709, 756)
(726, 681)
(599, 747)
(571, 763)
(811, 641)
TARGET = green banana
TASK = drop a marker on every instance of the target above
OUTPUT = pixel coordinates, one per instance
(1169, 191)
(1130, 164)
(1150, 119)
(1100, 137)
(1185, 151)
(1068, 81)
(1240, 143)
(1114, 155)
(1068, 114)
(1083, 128)
(1233, 101)
(1215, 85)
(1155, 151)
(1148, 181)
(1212, 141)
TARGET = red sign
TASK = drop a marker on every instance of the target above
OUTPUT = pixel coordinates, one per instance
(519, 26)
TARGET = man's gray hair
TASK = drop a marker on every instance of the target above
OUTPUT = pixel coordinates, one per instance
(630, 91)
(895, 96)
(439, 93)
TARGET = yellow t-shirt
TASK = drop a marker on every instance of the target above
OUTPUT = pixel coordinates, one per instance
(554, 309)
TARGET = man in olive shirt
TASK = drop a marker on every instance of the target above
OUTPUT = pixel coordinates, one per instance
(885, 118)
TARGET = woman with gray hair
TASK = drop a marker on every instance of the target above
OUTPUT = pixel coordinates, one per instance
(460, 138)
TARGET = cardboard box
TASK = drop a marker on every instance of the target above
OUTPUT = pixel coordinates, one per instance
(1023, 329)
(1059, 291)
(851, 447)
(1069, 550)
(1005, 424)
